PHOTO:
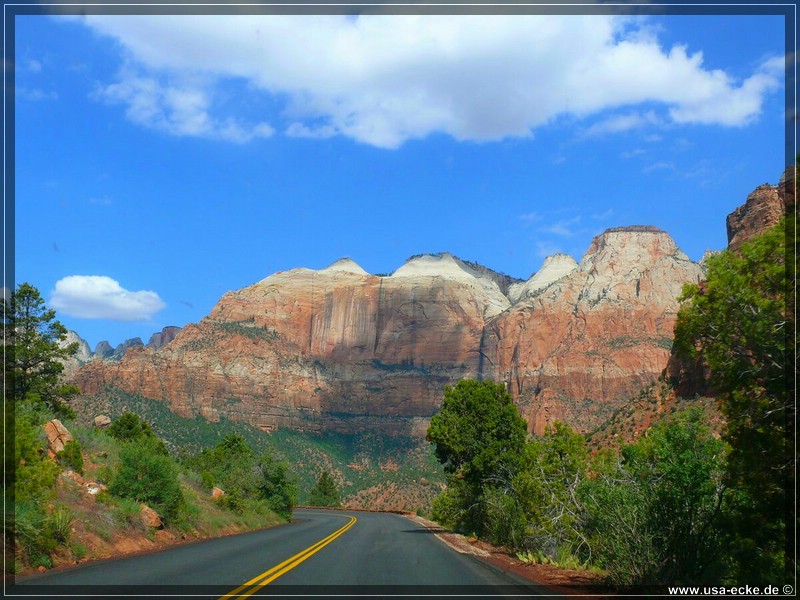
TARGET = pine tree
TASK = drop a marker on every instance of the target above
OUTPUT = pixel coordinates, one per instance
(34, 351)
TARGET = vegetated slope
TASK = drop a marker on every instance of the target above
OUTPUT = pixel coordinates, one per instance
(358, 462)
(649, 407)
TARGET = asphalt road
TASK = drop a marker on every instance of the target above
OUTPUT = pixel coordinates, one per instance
(322, 552)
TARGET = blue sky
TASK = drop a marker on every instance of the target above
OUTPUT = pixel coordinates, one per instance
(162, 161)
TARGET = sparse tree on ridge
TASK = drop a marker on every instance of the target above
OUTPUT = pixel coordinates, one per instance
(34, 353)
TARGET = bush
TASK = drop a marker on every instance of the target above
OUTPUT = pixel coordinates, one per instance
(655, 516)
(72, 456)
(505, 519)
(146, 475)
(129, 427)
(325, 492)
(448, 507)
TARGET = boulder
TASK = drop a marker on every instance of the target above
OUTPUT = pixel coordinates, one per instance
(57, 435)
(150, 517)
(217, 493)
(102, 421)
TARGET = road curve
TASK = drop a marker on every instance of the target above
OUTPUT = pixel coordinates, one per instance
(321, 552)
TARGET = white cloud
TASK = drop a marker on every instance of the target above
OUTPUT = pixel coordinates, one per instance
(619, 123)
(563, 228)
(301, 131)
(383, 80)
(545, 249)
(181, 110)
(531, 217)
(659, 166)
(100, 297)
(634, 152)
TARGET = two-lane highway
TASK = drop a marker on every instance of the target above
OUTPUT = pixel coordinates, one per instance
(321, 552)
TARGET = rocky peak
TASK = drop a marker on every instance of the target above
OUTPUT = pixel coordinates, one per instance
(84, 353)
(635, 248)
(554, 268)
(103, 349)
(345, 265)
(163, 337)
(452, 268)
(627, 265)
(763, 209)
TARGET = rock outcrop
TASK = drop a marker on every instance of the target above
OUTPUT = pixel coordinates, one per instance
(763, 209)
(339, 349)
(57, 435)
(554, 268)
(103, 350)
(83, 354)
(163, 337)
(597, 335)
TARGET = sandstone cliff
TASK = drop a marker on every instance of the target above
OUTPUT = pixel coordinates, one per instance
(576, 348)
(763, 209)
(340, 349)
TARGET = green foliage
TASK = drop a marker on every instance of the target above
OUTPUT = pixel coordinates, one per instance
(479, 437)
(245, 476)
(655, 512)
(478, 431)
(306, 454)
(34, 475)
(450, 506)
(277, 488)
(33, 352)
(129, 427)
(325, 492)
(72, 456)
(506, 524)
(146, 475)
(553, 468)
(741, 321)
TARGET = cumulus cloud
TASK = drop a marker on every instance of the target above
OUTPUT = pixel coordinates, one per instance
(101, 297)
(383, 80)
(181, 110)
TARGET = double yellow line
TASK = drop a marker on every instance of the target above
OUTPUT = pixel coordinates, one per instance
(251, 587)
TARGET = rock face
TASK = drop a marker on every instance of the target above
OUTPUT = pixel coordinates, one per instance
(103, 350)
(554, 268)
(57, 435)
(83, 355)
(163, 337)
(763, 209)
(574, 349)
(339, 349)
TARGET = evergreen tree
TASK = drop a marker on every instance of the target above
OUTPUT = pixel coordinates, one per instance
(741, 321)
(34, 346)
(325, 492)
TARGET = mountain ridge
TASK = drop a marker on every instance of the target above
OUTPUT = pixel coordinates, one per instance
(338, 349)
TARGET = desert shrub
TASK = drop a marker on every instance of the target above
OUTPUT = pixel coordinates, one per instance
(654, 515)
(129, 427)
(28, 524)
(505, 520)
(72, 456)
(448, 508)
(146, 475)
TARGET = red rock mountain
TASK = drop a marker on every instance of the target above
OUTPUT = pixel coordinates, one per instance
(340, 349)
(763, 209)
